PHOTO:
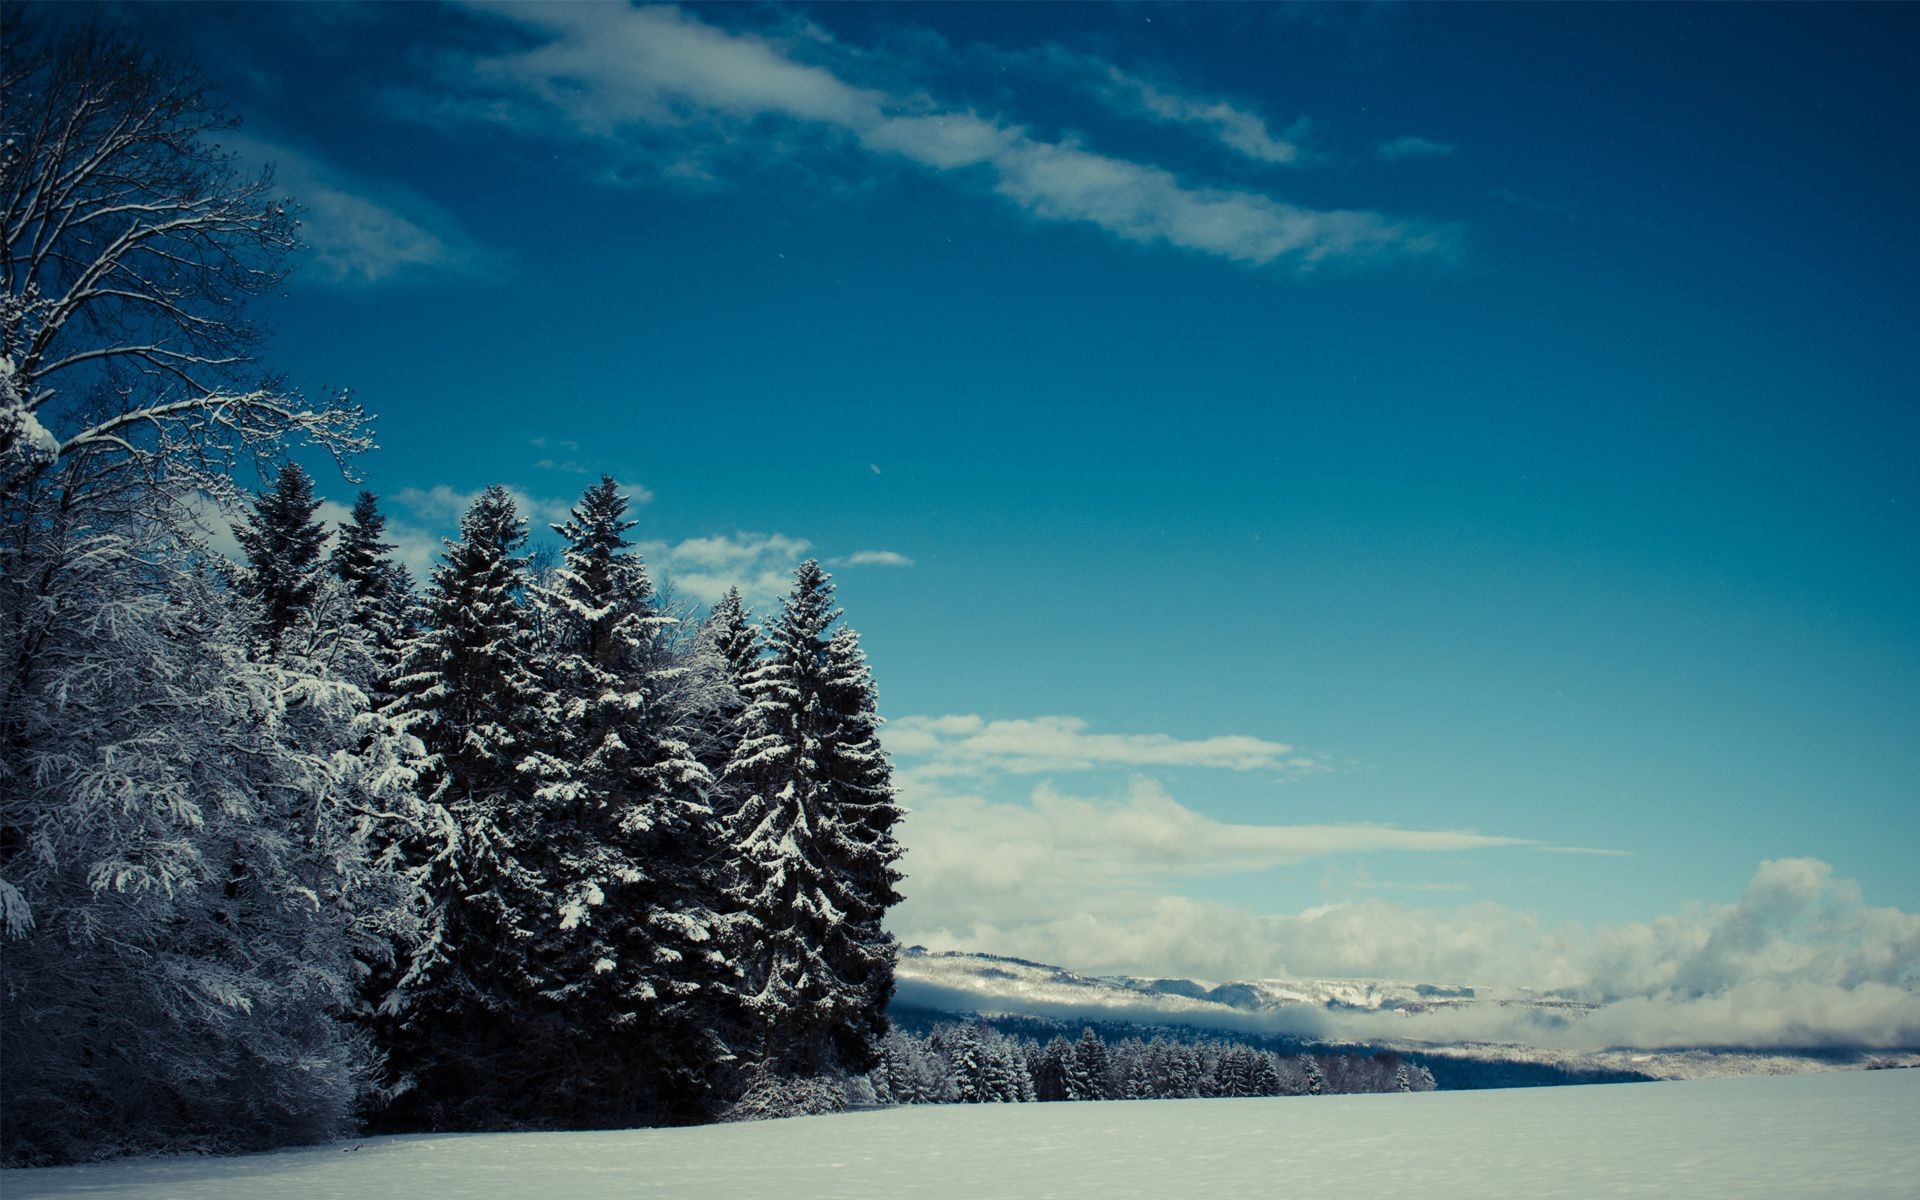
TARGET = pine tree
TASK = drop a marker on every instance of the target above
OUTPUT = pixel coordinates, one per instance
(967, 1059)
(814, 840)
(1316, 1083)
(402, 608)
(728, 650)
(282, 542)
(1266, 1075)
(1052, 1069)
(634, 960)
(1087, 1068)
(465, 689)
(360, 561)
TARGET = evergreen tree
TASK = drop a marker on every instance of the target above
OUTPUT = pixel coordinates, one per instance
(465, 689)
(967, 1059)
(814, 841)
(1316, 1079)
(634, 964)
(1087, 1068)
(1266, 1075)
(360, 561)
(1051, 1069)
(728, 650)
(282, 541)
(403, 611)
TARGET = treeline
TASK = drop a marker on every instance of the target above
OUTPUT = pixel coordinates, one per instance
(522, 850)
(978, 1064)
(290, 844)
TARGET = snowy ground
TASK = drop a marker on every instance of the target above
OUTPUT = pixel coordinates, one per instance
(1842, 1134)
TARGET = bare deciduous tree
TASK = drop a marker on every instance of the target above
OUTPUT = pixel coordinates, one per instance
(134, 250)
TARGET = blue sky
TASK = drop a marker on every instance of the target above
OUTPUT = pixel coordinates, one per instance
(1288, 465)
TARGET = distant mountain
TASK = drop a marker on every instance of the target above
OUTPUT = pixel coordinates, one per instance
(1436, 1020)
(1001, 984)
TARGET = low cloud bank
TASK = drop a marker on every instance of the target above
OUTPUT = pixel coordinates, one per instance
(1799, 961)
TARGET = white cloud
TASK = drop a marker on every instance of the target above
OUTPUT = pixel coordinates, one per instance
(759, 564)
(620, 76)
(1412, 147)
(968, 744)
(1232, 125)
(962, 848)
(358, 232)
(874, 558)
(1799, 960)
(422, 518)
(444, 505)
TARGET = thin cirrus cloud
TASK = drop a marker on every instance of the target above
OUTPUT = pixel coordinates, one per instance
(360, 232)
(625, 77)
(1413, 146)
(1233, 125)
(970, 744)
(963, 849)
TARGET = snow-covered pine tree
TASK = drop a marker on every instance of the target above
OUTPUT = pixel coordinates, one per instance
(814, 841)
(968, 1065)
(1316, 1078)
(282, 543)
(359, 557)
(727, 650)
(1266, 1074)
(1087, 1068)
(633, 962)
(459, 1035)
(732, 632)
(361, 562)
(404, 610)
(1052, 1069)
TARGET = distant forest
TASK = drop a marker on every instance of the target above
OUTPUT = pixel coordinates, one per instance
(974, 1063)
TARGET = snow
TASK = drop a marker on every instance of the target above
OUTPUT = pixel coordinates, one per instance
(1854, 1134)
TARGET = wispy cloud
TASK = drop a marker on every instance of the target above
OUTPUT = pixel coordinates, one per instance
(1413, 146)
(973, 857)
(361, 232)
(623, 77)
(873, 558)
(1233, 125)
(563, 455)
(970, 744)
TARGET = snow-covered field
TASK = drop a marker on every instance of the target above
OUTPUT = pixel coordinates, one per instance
(1839, 1134)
